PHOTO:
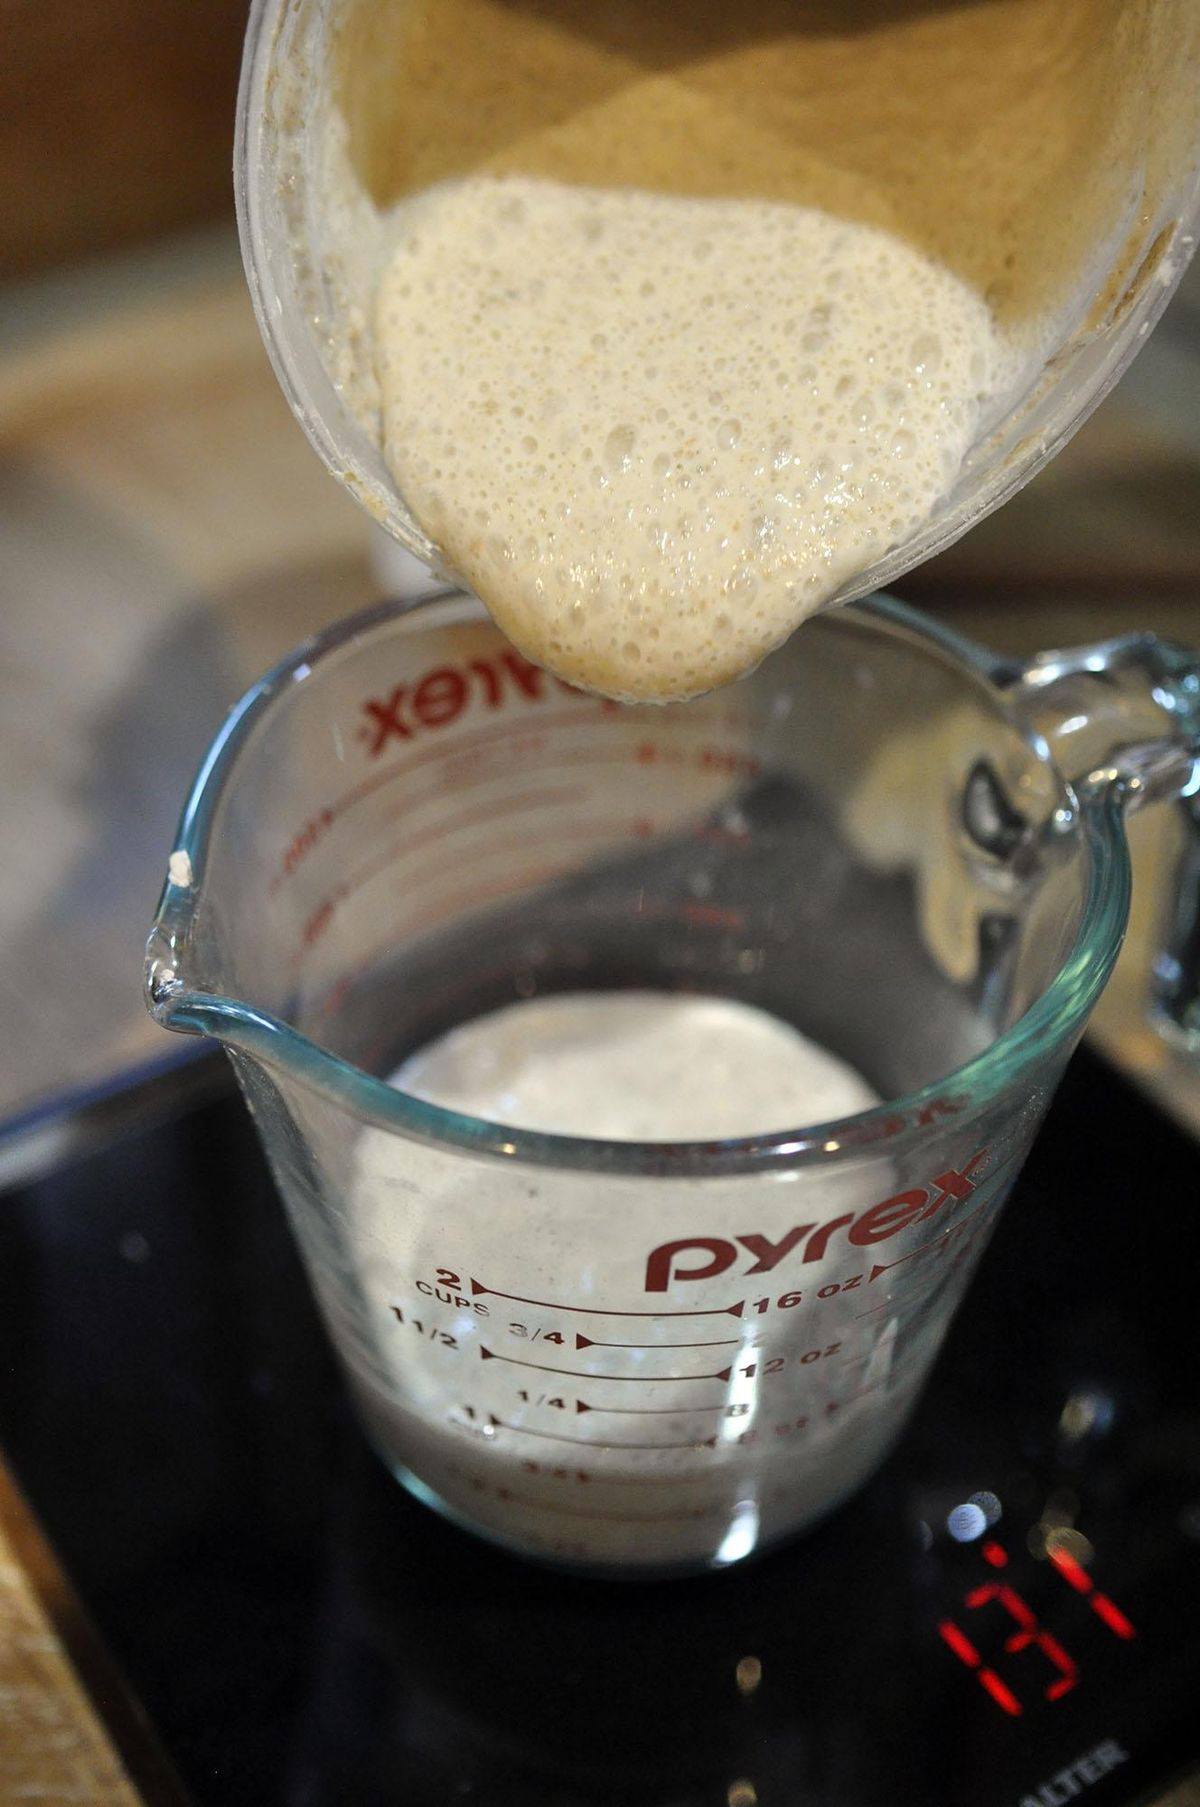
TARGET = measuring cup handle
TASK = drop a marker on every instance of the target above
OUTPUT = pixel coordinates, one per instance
(1121, 720)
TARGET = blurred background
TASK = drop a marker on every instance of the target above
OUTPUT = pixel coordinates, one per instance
(166, 534)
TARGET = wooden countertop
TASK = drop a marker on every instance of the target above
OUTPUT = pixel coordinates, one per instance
(56, 1730)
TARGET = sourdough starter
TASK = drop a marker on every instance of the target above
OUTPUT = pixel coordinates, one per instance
(654, 432)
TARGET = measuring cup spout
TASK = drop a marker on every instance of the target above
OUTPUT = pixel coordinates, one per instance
(167, 978)
(180, 989)
(1121, 721)
(213, 957)
(163, 983)
(177, 1004)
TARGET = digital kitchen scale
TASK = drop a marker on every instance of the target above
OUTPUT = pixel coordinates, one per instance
(1008, 1616)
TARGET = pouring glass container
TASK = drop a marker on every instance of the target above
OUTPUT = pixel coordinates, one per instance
(1135, 177)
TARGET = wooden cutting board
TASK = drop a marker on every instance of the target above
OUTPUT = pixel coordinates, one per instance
(52, 1745)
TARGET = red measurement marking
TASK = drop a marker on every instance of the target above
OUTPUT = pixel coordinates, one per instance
(1105, 1609)
(605, 1311)
(528, 754)
(590, 1442)
(471, 818)
(480, 894)
(939, 1242)
(547, 765)
(992, 1552)
(336, 996)
(301, 845)
(888, 1380)
(914, 1296)
(891, 1379)
(714, 916)
(649, 1411)
(596, 828)
(527, 740)
(966, 1653)
(443, 752)
(520, 759)
(648, 1380)
(434, 909)
(435, 916)
(590, 1342)
(475, 740)
(466, 870)
(479, 740)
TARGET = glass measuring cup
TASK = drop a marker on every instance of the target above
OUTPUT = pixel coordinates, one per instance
(311, 264)
(661, 1356)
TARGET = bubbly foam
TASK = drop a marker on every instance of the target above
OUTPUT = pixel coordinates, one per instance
(654, 433)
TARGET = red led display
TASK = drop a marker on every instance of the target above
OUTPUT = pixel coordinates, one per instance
(966, 1653)
(1026, 1629)
(1081, 1581)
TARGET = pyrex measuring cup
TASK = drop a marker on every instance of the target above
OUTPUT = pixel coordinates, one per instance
(661, 1356)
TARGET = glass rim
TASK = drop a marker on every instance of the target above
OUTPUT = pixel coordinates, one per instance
(1047, 1026)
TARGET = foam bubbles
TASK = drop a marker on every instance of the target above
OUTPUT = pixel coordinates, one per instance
(721, 455)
